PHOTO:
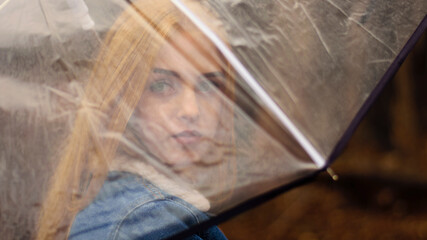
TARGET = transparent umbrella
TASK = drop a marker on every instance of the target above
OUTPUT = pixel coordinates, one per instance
(152, 118)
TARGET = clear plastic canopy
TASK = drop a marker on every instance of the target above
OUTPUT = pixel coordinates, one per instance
(191, 106)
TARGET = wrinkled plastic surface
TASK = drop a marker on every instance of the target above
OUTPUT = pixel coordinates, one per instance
(235, 99)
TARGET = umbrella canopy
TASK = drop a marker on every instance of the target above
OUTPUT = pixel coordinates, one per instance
(209, 103)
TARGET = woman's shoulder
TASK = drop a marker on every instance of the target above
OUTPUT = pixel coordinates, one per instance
(130, 207)
(162, 219)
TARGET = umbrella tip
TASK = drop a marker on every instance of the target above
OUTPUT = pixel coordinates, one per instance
(331, 173)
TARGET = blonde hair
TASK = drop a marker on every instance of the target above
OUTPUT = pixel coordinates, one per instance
(111, 95)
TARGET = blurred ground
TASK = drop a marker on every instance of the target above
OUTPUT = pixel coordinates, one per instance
(382, 188)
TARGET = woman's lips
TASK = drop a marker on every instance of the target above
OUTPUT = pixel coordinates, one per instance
(188, 137)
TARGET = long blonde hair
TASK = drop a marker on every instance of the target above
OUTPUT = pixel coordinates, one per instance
(111, 95)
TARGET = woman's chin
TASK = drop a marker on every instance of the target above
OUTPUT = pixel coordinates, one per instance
(182, 160)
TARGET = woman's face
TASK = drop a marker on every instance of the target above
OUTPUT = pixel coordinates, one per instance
(180, 108)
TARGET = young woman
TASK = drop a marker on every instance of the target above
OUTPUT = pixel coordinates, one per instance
(154, 130)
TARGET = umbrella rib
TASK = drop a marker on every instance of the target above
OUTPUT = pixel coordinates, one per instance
(284, 119)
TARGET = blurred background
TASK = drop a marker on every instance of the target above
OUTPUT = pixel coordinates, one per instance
(382, 188)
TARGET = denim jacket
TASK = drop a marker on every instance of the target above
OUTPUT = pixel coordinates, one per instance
(130, 207)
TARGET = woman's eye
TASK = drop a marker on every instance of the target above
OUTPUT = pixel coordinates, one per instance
(207, 86)
(204, 86)
(161, 87)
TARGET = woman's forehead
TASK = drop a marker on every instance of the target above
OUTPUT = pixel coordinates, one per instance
(188, 51)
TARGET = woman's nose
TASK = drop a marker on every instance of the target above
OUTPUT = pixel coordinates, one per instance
(188, 106)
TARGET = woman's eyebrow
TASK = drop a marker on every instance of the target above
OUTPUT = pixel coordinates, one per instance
(213, 74)
(167, 72)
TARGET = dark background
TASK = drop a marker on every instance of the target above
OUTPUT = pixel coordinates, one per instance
(381, 192)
